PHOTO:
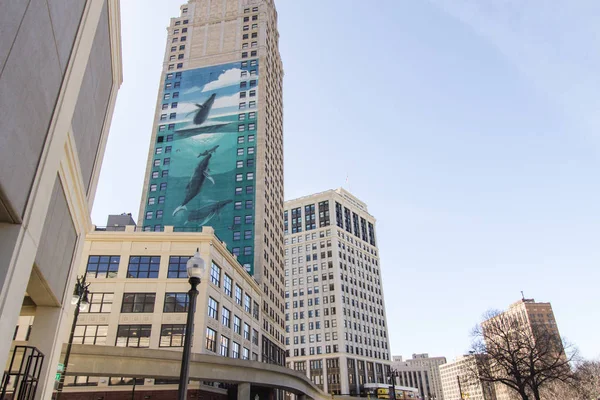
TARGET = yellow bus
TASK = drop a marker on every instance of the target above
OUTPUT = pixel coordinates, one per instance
(382, 391)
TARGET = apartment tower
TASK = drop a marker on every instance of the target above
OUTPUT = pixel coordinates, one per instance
(334, 309)
(531, 316)
(216, 154)
(458, 382)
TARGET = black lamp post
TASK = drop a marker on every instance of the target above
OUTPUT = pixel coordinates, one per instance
(80, 301)
(392, 377)
(195, 270)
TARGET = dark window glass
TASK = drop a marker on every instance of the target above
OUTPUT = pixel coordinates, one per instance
(177, 267)
(103, 266)
(176, 302)
(172, 335)
(138, 302)
(133, 336)
(143, 267)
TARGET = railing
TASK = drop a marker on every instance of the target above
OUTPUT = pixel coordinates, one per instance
(21, 379)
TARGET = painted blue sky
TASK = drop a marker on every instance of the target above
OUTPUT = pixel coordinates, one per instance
(471, 129)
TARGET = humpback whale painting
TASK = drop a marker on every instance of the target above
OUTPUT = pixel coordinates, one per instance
(210, 146)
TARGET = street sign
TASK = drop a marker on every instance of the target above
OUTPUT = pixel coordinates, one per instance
(57, 377)
(61, 367)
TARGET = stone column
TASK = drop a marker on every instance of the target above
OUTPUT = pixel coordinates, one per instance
(47, 337)
(243, 391)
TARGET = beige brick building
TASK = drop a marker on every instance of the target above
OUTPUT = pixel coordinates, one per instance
(457, 383)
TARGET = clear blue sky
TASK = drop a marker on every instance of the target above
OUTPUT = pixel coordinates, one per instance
(471, 129)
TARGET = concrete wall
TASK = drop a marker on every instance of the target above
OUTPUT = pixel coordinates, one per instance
(37, 39)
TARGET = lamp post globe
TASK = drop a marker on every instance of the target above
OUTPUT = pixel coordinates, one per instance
(195, 266)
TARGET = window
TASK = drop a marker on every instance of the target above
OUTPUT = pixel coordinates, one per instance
(246, 331)
(90, 334)
(161, 199)
(159, 213)
(247, 234)
(179, 65)
(250, 162)
(215, 274)
(250, 150)
(247, 250)
(172, 115)
(155, 174)
(240, 152)
(252, 115)
(143, 267)
(100, 303)
(254, 35)
(138, 302)
(250, 176)
(248, 204)
(239, 164)
(163, 186)
(165, 173)
(178, 267)
(245, 354)
(255, 311)
(237, 220)
(213, 308)
(183, 38)
(249, 189)
(237, 325)
(167, 161)
(226, 317)
(133, 336)
(254, 336)
(238, 295)
(238, 190)
(172, 335)
(239, 177)
(247, 303)
(235, 350)
(176, 302)
(103, 266)
(227, 284)
(237, 235)
(248, 219)
(224, 348)
(211, 340)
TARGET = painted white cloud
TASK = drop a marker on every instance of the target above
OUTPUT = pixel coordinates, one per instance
(227, 78)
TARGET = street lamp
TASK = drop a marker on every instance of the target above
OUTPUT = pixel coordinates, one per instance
(80, 301)
(392, 376)
(195, 269)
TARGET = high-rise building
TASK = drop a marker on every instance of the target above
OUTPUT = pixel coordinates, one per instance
(458, 382)
(60, 70)
(334, 306)
(216, 154)
(421, 372)
(528, 314)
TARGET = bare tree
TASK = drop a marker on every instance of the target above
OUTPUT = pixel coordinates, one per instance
(525, 357)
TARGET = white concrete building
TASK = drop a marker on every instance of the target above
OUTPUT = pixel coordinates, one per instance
(60, 70)
(457, 384)
(421, 372)
(334, 306)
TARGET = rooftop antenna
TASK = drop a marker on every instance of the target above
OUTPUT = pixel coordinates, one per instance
(348, 182)
(522, 295)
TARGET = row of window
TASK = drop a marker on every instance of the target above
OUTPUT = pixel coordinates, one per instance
(138, 267)
(137, 303)
(215, 279)
(227, 347)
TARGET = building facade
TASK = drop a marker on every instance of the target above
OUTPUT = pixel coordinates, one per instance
(530, 315)
(458, 384)
(421, 372)
(216, 154)
(59, 76)
(334, 305)
(138, 298)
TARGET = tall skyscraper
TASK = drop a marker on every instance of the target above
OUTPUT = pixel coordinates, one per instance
(334, 308)
(421, 372)
(216, 154)
(530, 315)
(60, 70)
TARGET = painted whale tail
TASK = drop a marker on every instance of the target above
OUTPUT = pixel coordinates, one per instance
(178, 209)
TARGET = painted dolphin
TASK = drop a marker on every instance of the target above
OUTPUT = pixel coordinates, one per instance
(204, 214)
(207, 152)
(196, 181)
(203, 110)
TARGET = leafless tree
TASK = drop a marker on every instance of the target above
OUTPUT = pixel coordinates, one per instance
(525, 357)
